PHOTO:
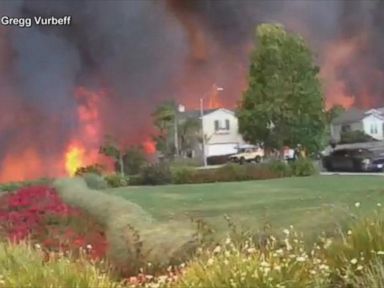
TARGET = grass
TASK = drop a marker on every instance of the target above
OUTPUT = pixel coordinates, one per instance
(311, 204)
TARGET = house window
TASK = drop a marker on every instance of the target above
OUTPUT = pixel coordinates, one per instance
(222, 125)
(345, 128)
(373, 128)
(217, 125)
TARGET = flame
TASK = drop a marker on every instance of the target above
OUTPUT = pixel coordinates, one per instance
(149, 146)
(74, 159)
(338, 55)
(21, 166)
(214, 101)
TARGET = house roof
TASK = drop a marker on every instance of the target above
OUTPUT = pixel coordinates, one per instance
(196, 113)
(350, 116)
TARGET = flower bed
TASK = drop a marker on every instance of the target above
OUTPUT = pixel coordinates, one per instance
(40, 215)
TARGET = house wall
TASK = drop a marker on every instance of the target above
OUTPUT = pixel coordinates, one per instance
(370, 122)
(336, 130)
(223, 141)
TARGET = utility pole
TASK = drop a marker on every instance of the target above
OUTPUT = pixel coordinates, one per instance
(202, 130)
(176, 132)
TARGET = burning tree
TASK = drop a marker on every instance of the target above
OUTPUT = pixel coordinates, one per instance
(283, 104)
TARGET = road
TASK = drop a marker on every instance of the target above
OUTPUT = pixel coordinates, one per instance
(351, 173)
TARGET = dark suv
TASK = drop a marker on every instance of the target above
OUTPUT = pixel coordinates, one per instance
(354, 160)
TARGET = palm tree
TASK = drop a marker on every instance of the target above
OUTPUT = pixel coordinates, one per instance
(189, 134)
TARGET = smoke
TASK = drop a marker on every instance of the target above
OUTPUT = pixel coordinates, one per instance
(131, 55)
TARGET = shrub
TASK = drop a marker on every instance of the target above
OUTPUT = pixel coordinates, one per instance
(280, 168)
(116, 180)
(156, 174)
(134, 159)
(96, 169)
(23, 266)
(355, 137)
(303, 167)
(134, 236)
(232, 172)
(359, 248)
(248, 265)
(39, 214)
(95, 181)
(183, 175)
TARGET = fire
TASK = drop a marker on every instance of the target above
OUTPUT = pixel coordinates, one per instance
(74, 159)
(149, 146)
(214, 101)
(337, 56)
(21, 166)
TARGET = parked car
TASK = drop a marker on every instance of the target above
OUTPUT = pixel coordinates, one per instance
(248, 154)
(354, 160)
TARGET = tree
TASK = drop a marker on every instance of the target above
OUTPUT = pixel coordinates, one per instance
(164, 121)
(189, 134)
(134, 159)
(283, 104)
(334, 112)
(111, 149)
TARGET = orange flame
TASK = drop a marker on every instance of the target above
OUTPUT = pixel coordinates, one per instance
(74, 159)
(21, 166)
(149, 146)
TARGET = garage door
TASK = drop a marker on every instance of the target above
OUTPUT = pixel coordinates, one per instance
(221, 149)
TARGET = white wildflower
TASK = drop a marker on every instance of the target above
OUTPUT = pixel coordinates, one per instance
(217, 249)
(354, 261)
(349, 232)
(328, 243)
(378, 204)
(89, 246)
(300, 259)
(228, 241)
(251, 250)
(37, 246)
(359, 268)
(210, 261)
(357, 204)
(286, 231)
(380, 252)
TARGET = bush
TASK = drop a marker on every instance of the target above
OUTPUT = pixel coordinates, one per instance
(232, 172)
(358, 250)
(249, 265)
(303, 167)
(95, 181)
(96, 169)
(280, 168)
(24, 266)
(183, 175)
(355, 137)
(116, 180)
(156, 174)
(40, 215)
(134, 159)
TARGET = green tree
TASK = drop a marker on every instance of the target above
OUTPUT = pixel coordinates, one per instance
(334, 112)
(164, 120)
(111, 149)
(134, 159)
(189, 134)
(283, 104)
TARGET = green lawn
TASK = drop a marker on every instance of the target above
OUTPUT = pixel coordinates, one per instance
(309, 203)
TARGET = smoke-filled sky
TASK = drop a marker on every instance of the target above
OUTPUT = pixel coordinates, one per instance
(62, 86)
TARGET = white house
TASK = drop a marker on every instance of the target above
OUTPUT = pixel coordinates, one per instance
(371, 122)
(221, 132)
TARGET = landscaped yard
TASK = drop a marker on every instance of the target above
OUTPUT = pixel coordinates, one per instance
(308, 203)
